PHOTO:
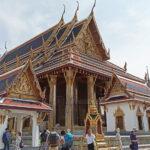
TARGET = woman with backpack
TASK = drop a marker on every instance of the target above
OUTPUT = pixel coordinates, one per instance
(19, 141)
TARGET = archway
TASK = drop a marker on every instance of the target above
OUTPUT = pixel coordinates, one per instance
(119, 119)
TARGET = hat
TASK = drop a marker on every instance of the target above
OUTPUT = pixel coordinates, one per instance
(118, 129)
(134, 129)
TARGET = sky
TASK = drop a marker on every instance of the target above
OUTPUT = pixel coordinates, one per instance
(123, 24)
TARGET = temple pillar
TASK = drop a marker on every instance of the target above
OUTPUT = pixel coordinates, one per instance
(52, 80)
(19, 123)
(35, 132)
(90, 86)
(69, 77)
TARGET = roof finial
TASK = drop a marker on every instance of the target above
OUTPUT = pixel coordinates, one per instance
(147, 75)
(75, 15)
(93, 7)
(125, 67)
(108, 53)
(62, 17)
(77, 7)
(6, 46)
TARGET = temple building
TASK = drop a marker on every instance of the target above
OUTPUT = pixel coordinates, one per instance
(127, 104)
(21, 103)
(72, 65)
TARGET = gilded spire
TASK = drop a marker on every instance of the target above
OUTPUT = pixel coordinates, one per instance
(147, 79)
(77, 9)
(108, 53)
(125, 67)
(62, 17)
(92, 11)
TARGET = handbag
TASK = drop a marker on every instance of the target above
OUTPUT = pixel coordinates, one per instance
(21, 145)
(131, 146)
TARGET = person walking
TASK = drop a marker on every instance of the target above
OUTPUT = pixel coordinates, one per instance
(90, 138)
(44, 136)
(63, 145)
(134, 140)
(19, 141)
(68, 139)
(118, 138)
(53, 140)
(6, 139)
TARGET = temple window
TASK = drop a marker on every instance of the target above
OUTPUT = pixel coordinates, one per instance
(139, 118)
(148, 118)
(119, 118)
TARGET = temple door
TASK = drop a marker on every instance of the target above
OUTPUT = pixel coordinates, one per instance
(119, 122)
(140, 123)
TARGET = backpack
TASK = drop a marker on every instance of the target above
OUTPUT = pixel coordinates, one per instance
(43, 137)
(21, 145)
(4, 138)
(53, 139)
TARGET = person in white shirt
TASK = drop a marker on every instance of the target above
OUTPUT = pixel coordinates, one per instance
(118, 138)
(18, 141)
(90, 138)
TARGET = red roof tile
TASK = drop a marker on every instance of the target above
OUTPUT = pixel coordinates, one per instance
(8, 103)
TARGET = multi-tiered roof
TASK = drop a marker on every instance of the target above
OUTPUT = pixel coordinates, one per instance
(77, 44)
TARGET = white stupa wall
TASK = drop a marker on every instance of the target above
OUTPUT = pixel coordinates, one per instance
(130, 117)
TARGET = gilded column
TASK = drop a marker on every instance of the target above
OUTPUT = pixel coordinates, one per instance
(69, 77)
(90, 84)
(52, 79)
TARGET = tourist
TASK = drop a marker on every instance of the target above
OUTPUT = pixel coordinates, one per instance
(90, 138)
(134, 141)
(62, 141)
(118, 138)
(53, 140)
(19, 141)
(44, 136)
(6, 139)
(68, 139)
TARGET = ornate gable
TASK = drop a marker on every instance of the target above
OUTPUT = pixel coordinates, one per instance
(90, 41)
(116, 89)
(87, 45)
(25, 86)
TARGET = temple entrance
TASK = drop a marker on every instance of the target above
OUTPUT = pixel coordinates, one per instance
(140, 122)
(81, 106)
(148, 118)
(60, 101)
(119, 116)
(26, 124)
(119, 122)
(139, 118)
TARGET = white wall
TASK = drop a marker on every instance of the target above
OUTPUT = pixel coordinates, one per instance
(130, 117)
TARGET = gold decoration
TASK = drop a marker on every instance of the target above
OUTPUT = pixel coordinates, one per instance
(26, 85)
(87, 45)
(119, 112)
(2, 119)
(22, 86)
(41, 117)
(139, 112)
(93, 120)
